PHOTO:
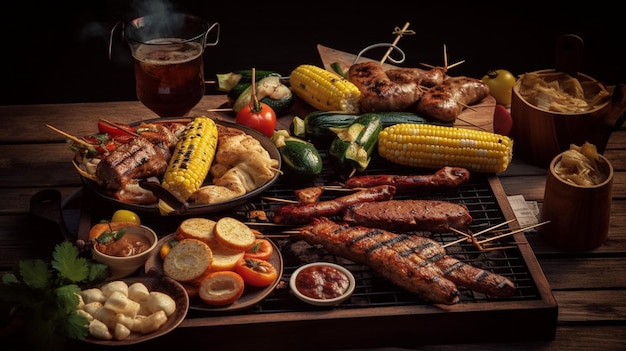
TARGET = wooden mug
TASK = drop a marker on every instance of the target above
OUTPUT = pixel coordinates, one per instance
(579, 215)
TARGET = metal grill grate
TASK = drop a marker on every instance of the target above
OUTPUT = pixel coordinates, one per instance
(372, 290)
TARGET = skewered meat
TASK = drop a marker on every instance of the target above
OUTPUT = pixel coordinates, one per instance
(301, 213)
(446, 177)
(310, 194)
(417, 264)
(409, 215)
(428, 78)
(378, 92)
(446, 100)
(138, 158)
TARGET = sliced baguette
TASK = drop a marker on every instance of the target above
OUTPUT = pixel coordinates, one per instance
(196, 228)
(224, 259)
(234, 234)
(188, 260)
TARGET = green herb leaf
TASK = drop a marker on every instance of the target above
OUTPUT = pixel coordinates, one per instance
(70, 266)
(35, 273)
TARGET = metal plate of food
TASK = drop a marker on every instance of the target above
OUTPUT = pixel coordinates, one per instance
(193, 209)
(251, 295)
(160, 283)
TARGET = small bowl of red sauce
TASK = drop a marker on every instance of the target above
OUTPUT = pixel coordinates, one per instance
(322, 283)
(125, 249)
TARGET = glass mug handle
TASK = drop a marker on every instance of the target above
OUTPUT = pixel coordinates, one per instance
(217, 35)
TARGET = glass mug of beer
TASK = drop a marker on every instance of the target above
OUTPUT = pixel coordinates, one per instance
(168, 57)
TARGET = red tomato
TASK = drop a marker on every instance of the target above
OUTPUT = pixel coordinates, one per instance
(262, 249)
(259, 116)
(113, 131)
(256, 272)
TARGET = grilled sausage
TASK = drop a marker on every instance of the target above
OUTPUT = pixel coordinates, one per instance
(446, 177)
(301, 213)
(428, 78)
(446, 101)
(378, 92)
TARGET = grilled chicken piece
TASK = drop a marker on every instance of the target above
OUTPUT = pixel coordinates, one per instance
(378, 92)
(301, 213)
(417, 264)
(241, 165)
(446, 177)
(409, 215)
(138, 158)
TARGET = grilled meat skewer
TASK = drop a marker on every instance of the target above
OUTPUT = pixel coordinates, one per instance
(301, 213)
(446, 177)
(417, 264)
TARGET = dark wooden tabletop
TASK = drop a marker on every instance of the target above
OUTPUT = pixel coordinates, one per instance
(589, 287)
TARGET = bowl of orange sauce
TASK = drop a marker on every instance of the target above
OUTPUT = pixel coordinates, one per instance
(124, 249)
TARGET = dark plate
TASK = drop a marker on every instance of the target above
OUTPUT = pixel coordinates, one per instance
(251, 295)
(154, 282)
(197, 209)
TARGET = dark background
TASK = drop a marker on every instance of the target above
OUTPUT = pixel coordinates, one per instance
(57, 51)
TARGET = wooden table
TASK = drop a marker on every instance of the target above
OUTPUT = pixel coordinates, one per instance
(590, 287)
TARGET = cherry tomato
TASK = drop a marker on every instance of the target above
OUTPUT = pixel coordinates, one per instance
(262, 249)
(500, 84)
(258, 116)
(256, 272)
(125, 216)
(113, 131)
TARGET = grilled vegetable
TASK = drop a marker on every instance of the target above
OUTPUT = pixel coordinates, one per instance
(319, 124)
(191, 159)
(429, 146)
(353, 146)
(324, 90)
(270, 91)
(301, 157)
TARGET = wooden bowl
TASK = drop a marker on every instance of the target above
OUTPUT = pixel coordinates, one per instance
(539, 135)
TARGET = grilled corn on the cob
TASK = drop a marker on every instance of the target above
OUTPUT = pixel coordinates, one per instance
(433, 146)
(324, 90)
(191, 159)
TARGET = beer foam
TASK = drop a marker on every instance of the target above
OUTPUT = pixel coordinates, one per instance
(167, 51)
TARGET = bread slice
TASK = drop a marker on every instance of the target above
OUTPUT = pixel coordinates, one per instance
(196, 228)
(188, 260)
(234, 234)
(224, 259)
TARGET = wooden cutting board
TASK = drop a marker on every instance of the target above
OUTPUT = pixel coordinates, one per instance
(478, 116)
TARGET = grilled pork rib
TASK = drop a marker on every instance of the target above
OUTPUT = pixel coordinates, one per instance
(138, 158)
(409, 215)
(417, 264)
(301, 213)
(446, 177)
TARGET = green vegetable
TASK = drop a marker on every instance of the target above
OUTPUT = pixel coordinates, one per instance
(319, 124)
(353, 146)
(270, 91)
(227, 81)
(299, 156)
(47, 294)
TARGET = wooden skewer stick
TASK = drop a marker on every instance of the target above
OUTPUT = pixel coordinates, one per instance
(226, 109)
(445, 57)
(398, 36)
(119, 126)
(470, 237)
(279, 200)
(71, 137)
(433, 66)
(513, 232)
